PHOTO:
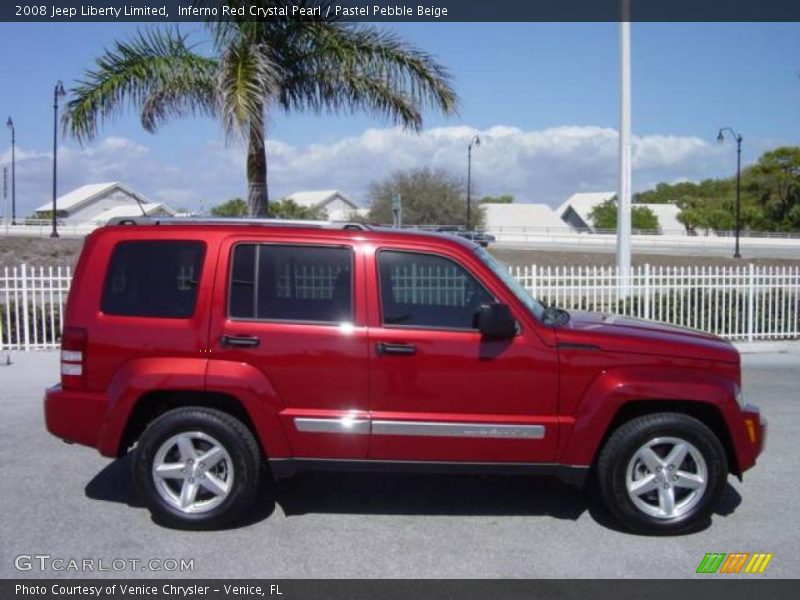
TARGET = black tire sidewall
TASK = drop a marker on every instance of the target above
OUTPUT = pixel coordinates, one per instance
(628, 439)
(228, 432)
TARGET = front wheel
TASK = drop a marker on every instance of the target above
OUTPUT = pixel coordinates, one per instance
(662, 473)
(196, 468)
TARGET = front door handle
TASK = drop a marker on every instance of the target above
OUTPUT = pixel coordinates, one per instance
(383, 348)
(240, 341)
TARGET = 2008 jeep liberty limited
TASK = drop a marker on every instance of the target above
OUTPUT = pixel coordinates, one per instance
(208, 347)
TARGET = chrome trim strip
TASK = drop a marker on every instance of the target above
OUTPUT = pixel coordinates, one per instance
(460, 430)
(333, 425)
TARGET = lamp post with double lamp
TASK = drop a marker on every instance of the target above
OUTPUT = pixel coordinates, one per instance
(476, 141)
(10, 125)
(738, 139)
(58, 92)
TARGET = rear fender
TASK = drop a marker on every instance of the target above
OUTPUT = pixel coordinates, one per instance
(238, 380)
(259, 398)
(138, 377)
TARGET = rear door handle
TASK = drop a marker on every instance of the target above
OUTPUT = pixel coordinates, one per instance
(240, 341)
(383, 348)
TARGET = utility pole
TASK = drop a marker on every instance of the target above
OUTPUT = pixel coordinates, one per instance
(474, 142)
(58, 92)
(624, 195)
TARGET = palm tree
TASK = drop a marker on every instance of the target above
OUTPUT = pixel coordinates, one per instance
(256, 68)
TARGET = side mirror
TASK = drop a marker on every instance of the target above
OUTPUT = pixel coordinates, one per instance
(496, 321)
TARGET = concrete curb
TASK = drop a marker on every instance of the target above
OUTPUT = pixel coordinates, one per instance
(779, 347)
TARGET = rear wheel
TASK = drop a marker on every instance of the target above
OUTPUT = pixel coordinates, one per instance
(197, 468)
(662, 473)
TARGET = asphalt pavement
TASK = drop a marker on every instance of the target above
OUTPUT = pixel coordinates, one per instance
(69, 503)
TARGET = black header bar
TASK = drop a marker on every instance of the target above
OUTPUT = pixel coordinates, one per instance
(399, 10)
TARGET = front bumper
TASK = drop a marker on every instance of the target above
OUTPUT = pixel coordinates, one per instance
(751, 437)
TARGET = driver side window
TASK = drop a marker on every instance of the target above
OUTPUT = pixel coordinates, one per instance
(429, 291)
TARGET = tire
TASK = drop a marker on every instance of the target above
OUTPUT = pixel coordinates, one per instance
(197, 468)
(654, 458)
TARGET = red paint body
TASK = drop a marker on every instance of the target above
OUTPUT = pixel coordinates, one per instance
(573, 379)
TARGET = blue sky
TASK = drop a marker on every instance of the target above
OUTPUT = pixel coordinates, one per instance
(544, 96)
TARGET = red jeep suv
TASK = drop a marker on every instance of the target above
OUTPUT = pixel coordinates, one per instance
(209, 348)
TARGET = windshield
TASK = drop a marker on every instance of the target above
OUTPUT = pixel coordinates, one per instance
(515, 286)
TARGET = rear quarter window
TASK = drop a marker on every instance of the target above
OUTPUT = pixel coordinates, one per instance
(153, 279)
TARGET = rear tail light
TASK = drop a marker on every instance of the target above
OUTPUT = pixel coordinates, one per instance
(73, 357)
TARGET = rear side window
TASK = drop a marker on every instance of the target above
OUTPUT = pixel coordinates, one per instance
(424, 290)
(291, 283)
(153, 279)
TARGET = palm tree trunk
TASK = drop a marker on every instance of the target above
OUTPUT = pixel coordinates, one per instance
(257, 193)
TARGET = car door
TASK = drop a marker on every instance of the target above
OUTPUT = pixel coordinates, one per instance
(439, 391)
(294, 311)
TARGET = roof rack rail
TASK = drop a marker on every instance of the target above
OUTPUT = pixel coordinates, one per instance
(237, 221)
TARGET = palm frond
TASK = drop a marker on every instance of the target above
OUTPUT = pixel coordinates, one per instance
(341, 66)
(245, 80)
(156, 72)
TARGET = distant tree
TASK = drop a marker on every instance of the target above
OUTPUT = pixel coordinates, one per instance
(770, 196)
(235, 207)
(430, 197)
(604, 216)
(775, 182)
(286, 208)
(282, 209)
(504, 199)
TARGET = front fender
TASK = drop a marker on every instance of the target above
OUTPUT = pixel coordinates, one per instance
(614, 388)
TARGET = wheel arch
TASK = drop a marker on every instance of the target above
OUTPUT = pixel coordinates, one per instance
(155, 403)
(707, 413)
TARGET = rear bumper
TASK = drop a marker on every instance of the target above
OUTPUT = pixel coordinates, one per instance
(751, 437)
(75, 416)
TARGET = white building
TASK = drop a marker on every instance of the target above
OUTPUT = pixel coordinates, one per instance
(98, 202)
(337, 206)
(667, 215)
(513, 217)
(576, 211)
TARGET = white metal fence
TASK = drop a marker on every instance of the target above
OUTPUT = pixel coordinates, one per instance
(744, 303)
(31, 306)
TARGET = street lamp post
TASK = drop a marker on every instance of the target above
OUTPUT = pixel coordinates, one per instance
(476, 141)
(58, 92)
(738, 138)
(10, 125)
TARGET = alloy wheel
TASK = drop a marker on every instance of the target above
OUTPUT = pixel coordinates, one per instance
(193, 472)
(666, 477)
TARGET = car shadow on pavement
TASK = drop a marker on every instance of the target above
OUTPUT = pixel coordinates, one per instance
(114, 484)
(454, 495)
(406, 494)
(429, 494)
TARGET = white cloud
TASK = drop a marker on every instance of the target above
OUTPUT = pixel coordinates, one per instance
(536, 166)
